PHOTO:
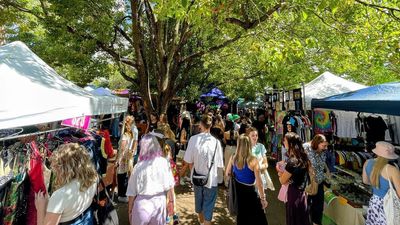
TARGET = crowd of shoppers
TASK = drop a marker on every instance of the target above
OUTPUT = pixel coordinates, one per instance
(211, 150)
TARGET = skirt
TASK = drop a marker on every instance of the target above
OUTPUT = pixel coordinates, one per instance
(296, 207)
(249, 206)
(375, 213)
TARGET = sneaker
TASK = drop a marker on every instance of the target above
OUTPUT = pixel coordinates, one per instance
(123, 199)
(168, 220)
(176, 219)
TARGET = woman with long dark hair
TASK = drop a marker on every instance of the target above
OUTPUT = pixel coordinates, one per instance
(296, 175)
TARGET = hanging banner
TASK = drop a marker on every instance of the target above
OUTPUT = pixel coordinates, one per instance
(81, 122)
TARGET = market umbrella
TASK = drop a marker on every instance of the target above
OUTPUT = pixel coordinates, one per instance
(214, 93)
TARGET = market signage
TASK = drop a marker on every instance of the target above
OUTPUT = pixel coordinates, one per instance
(81, 122)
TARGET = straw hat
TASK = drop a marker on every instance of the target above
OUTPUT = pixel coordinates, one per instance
(385, 150)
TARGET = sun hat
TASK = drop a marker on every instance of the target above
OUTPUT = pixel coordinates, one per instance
(385, 150)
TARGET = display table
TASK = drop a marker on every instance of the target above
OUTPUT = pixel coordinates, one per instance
(341, 212)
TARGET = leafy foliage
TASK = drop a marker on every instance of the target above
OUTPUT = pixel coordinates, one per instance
(169, 47)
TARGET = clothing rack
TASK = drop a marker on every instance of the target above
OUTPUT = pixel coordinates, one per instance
(32, 134)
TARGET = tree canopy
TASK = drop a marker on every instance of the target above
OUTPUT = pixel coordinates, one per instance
(170, 47)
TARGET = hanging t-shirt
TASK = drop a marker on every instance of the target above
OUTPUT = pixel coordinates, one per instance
(322, 121)
(375, 128)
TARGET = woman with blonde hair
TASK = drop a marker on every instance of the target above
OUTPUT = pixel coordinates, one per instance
(75, 186)
(259, 151)
(378, 173)
(245, 169)
(124, 162)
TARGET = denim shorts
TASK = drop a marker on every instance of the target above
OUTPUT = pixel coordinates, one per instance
(204, 199)
(86, 218)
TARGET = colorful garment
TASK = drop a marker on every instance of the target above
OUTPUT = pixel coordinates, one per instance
(322, 122)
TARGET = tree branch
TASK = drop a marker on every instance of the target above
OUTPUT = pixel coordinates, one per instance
(384, 9)
(246, 25)
(20, 8)
(329, 25)
(104, 47)
(126, 77)
(212, 49)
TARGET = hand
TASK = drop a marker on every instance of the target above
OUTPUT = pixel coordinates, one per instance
(264, 203)
(41, 200)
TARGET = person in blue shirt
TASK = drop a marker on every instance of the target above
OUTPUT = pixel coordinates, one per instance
(378, 173)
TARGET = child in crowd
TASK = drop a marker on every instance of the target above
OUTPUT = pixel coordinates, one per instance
(172, 208)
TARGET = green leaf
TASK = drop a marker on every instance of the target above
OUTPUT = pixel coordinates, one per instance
(184, 3)
(305, 15)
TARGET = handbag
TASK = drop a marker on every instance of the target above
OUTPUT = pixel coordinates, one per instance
(231, 196)
(103, 208)
(282, 196)
(312, 187)
(391, 205)
(199, 179)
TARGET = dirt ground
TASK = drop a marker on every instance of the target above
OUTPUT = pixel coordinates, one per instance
(185, 206)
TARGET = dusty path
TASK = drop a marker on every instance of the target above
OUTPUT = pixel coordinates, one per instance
(185, 207)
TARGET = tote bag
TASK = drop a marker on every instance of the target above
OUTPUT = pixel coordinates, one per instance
(231, 197)
(391, 205)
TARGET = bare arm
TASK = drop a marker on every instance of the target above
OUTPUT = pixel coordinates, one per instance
(254, 166)
(228, 169)
(395, 179)
(130, 207)
(43, 217)
(364, 174)
(285, 177)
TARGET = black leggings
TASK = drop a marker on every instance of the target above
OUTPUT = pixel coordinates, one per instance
(122, 184)
(317, 205)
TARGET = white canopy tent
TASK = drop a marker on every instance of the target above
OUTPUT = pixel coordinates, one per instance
(328, 84)
(33, 93)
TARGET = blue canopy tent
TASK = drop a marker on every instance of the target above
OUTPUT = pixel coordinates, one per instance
(381, 99)
(214, 93)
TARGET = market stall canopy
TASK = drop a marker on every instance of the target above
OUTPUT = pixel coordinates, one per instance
(328, 84)
(214, 93)
(381, 99)
(33, 93)
(102, 92)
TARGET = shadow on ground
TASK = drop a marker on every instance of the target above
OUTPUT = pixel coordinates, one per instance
(185, 206)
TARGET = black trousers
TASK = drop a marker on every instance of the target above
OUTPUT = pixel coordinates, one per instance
(316, 203)
(122, 184)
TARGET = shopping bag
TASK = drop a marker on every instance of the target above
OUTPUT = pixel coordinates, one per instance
(391, 205)
(282, 196)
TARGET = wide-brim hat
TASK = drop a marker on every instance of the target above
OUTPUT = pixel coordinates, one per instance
(385, 150)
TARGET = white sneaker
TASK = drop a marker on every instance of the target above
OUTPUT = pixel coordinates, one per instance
(123, 199)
